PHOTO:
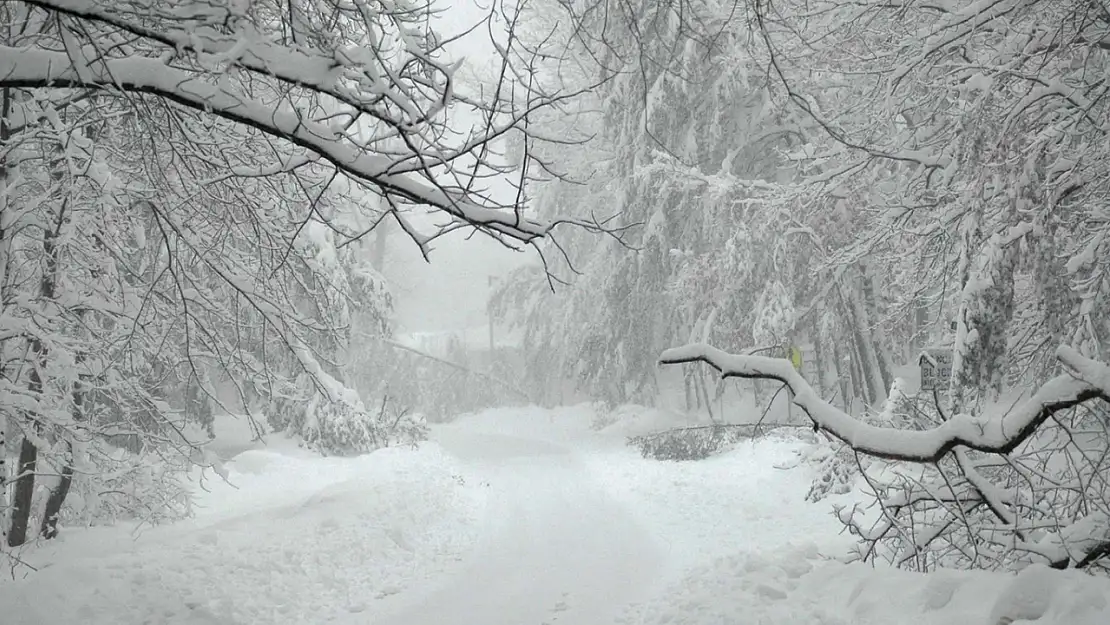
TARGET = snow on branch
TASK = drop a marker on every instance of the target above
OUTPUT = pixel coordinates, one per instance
(1095, 373)
(28, 68)
(992, 435)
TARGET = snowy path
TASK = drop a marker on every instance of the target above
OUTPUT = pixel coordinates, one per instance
(558, 548)
(298, 539)
(512, 517)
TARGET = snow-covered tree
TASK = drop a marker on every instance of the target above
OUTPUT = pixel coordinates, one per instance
(960, 139)
(184, 188)
(684, 144)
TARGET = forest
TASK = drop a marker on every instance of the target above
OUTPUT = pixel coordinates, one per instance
(887, 219)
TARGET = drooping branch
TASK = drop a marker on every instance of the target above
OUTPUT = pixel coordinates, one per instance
(454, 365)
(31, 68)
(987, 434)
(199, 32)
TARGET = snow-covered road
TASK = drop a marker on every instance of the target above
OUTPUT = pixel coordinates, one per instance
(512, 517)
(557, 548)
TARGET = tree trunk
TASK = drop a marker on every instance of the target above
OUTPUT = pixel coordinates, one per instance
(687, 390)
(865, 349)
(7, 229)
(819, 381)
(24, 493)
(4, 508)
(844, 381)
(28, 453)
(855, 368)
(873, 311)
(381, 241)
(5, 245)
(53, 510)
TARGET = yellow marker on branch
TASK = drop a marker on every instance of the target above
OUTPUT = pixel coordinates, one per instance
(795, 355)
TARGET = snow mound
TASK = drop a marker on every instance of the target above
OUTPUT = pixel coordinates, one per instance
(747, 587)
(743, 499)
(795, 585)
(862, 594)
(301, 540)
(1042, 595)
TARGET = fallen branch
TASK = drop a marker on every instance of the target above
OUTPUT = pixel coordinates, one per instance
(990, 435)
(734, 426)
(486, 376)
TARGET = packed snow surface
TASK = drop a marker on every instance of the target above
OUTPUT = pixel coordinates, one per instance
(514, 517)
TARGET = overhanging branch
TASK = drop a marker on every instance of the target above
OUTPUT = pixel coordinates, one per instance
(992, 435)
(36, 68)
(454, 365)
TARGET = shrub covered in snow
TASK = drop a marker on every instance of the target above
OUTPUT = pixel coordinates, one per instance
(837, 470)
(116, 485)
(336, 428)
(838, 467)
(443, 379)
(331, 418)
(342, 428)
(695, 443)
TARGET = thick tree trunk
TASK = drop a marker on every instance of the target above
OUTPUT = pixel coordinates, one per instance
(5, 245)
(53, 509)
(28, 454)
(860, 388)
(873, 311)
(869, 360)
(24, 493)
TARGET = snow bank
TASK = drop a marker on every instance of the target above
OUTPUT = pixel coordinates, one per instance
(745, 547)
(302, 539)
(797, 586)
(745, 499)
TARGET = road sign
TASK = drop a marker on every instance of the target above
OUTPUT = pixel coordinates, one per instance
(936, 368)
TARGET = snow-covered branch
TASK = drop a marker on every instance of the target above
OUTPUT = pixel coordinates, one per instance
(986, 434)
(40, 68)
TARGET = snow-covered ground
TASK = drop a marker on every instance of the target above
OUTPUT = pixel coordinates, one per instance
(298, 539)
(514, 517)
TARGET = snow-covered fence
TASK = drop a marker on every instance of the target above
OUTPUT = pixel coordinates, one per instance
(973, 490)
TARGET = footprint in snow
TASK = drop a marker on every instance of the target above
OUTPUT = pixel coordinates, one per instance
(562, 606)
(387, 591)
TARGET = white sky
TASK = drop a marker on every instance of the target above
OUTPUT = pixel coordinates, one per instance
(450, 293)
